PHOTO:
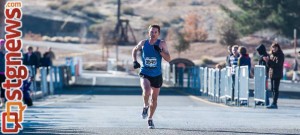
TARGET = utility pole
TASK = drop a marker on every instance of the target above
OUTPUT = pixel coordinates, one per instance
(117, 27)
(121, 30)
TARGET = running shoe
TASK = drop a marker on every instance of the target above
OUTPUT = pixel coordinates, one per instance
(150, 124)
(145, 112)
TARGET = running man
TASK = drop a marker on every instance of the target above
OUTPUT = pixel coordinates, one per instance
(153, 50)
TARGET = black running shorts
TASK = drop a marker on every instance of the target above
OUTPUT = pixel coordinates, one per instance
(155, 82)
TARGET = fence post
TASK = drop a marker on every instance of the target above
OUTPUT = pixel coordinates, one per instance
(174, 74)
(180, 76)
(61, 77)
(55, 76)
(51, 80)
(189, 77)
(260, 85)
(44, 85)
(168, 72)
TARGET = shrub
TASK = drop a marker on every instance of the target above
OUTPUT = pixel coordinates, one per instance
(196, 3)
(146, 18)
(92, 12)
(71, 6)
(171, 4)
(128, 11)
(208, 61)
(53, 6)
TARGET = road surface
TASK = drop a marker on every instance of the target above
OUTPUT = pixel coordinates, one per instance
(113, 110)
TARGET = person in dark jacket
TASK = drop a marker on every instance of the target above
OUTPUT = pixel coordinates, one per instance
(47, 60)
(275, 63)
(30, 59)
(244, 59)
(261, 49)
(38, 55)
(27, 91)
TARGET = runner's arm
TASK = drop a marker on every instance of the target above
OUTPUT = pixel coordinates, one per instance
(165, 52)
(137, 48)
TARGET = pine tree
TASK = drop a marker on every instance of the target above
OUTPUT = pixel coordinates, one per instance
(280, 15)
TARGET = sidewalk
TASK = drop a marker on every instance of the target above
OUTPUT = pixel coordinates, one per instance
(100, 78)
(94, 78)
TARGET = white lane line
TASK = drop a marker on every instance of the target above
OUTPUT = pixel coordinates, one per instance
(200, 99)
(64, 100)
(94, 81)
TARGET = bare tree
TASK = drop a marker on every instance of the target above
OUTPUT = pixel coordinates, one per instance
(193, 28)
(228, 32)
(177, 40)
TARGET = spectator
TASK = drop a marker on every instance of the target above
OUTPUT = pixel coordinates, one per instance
(30, 59)
(38, 55)
(275, 62)
(244, 59)
(233, 63)
(26, 91)
(295, 71)
(218, 66)
(228, 57)
(48, 58)
(261, 49)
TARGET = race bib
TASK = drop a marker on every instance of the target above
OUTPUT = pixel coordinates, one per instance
(151, 62)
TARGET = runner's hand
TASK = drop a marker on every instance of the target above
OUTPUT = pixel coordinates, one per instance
(136, 65)
(157, 48)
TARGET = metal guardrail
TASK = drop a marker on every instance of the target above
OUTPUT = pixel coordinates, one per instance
(218, 84)
(228, 83)
(223, 82)
(259, 83)
(49, 79)
(241, 85)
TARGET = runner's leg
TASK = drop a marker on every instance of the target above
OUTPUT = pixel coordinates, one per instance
(153, 103)
(145, 84)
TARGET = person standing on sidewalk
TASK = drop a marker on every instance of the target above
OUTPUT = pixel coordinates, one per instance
(153, 50)
(47, 60)
(30, 59)
(244, 60)
(295, 71)
(275, 62)
(261, 49)
(228, 64)
(234, 62)
(38, 54)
